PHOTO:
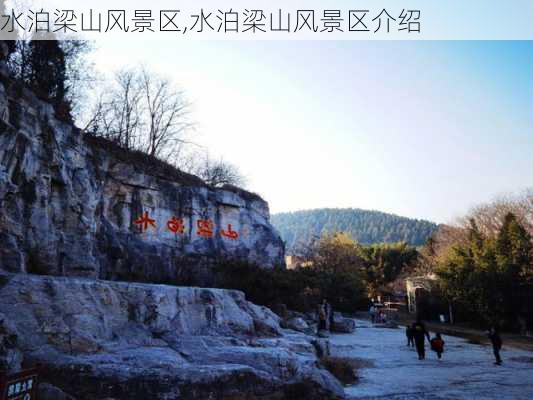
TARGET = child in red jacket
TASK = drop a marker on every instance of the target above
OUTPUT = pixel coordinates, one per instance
(437, 345)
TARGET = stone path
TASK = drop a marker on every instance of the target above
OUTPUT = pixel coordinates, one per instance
(465, 372)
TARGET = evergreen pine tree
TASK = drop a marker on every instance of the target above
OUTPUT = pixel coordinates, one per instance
(48, 73)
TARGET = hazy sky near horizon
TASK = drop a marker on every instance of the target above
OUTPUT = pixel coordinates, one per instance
(421, 129)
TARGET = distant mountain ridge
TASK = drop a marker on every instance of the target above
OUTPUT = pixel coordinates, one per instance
(365, 226)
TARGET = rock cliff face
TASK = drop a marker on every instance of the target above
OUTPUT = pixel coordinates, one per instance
(77, 215)
(73, 205)
(102, 339)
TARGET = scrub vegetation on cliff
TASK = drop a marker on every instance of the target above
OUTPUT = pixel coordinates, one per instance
(138, 114)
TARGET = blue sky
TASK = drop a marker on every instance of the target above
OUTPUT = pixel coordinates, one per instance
(421, 129)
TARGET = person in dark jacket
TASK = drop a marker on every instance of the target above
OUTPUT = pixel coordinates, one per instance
(419, 334)
(322, 314)
(329, 314)
(410, 336)
(437, 345)
(496, 340)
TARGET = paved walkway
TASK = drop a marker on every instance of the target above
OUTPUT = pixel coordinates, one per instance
(465, 372)
(511, 340)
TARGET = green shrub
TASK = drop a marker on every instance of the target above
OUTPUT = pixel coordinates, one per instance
(299, 289)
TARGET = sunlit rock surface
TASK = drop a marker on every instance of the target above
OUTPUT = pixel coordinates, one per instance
(102, 339)
(71, 245)
(68, 206)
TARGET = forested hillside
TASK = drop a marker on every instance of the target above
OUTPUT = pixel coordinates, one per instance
(364, 226)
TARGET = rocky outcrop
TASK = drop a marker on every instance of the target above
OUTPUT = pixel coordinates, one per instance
(102, 339)
(298, 324)
(81, 220)
(10, 354)
(73, 205)
(341, 324)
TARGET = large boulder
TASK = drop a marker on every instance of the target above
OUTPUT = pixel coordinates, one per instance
(99, 339)
(297, 324)
(342, 325)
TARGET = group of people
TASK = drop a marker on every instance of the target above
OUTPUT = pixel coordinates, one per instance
(417, 333)
(376, 315)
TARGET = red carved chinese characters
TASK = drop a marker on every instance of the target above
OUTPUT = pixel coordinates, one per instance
(229, 233)
(176, 225)
(205, 228)
(145, 221)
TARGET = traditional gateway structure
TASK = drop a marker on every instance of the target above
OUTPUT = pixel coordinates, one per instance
(424, 299)
(418, 288)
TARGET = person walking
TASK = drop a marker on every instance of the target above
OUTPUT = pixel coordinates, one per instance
(322, 316)
(410, 336)
(330, 316)
(372, 313)
(382, 317)
(437, 345)
(419, 334)
(496, 340)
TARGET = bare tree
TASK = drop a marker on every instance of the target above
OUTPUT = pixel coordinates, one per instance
(166, 116)
(143, 111)
(217, 173)
(117, 113)
(80, 74)
(487, 217)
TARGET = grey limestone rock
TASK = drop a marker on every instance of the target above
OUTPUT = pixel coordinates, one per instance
(342, 325)
(97, 339)
(69, 203)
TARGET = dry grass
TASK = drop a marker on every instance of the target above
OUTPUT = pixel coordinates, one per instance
(149, 165)
(345, 369)
(154, 166)
(474, 340)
